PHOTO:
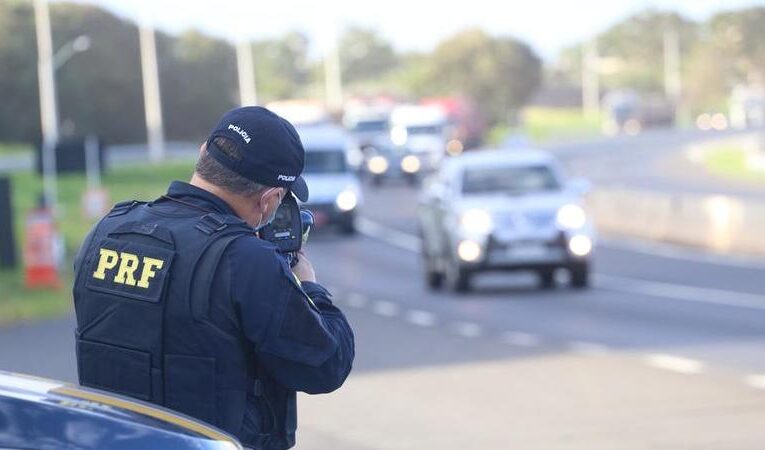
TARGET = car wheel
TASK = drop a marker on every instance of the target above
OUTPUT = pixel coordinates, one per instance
(348, 224)
(433, 278)
(546, 278)
(580, 275)
(457, 278)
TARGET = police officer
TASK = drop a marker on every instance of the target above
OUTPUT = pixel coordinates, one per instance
(179, 303)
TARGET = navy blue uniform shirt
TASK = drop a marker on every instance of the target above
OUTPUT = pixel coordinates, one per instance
(301, 339)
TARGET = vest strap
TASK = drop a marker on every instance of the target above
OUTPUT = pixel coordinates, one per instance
(212, 223)
(122, 208)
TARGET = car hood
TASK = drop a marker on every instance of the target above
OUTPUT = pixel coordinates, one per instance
(39, 409)
(324, 188)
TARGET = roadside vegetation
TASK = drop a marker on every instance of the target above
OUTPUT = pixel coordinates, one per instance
(736, 162)
(124, 183)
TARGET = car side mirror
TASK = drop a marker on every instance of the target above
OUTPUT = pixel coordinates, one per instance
(580, 186)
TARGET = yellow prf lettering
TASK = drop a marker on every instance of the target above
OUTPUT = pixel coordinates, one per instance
(149, 266)
(128, 266)
(107, 260)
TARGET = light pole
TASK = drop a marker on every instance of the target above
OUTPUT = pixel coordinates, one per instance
(333, 83)
(151, 94)
(246, 71)
(47, 64)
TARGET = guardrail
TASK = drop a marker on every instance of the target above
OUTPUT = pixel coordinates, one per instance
(717, 222)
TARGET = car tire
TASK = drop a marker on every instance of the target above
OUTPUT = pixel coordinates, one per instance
(434, 280)
(348, 224)
(580, 275)
(546, 278)
(457, 278)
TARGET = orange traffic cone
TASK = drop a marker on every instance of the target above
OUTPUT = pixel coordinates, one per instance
(41, 250)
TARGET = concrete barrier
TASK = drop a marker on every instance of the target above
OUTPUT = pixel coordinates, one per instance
(716, 222)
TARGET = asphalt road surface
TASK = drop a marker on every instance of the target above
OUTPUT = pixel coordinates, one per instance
(665, 351)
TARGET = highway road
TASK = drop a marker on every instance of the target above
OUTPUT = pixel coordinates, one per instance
(665, 351)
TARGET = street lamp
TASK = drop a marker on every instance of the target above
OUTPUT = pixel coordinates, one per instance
(47, 63)
(77, 45)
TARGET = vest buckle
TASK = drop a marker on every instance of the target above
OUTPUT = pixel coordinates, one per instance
(211, 223)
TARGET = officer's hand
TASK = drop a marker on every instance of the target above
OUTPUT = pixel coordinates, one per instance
(303, 270)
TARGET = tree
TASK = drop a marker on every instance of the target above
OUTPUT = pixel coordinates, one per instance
(281, 67)
(198, 81)
(365, 55)
(635, 47)
(499, 74)
(731, 52)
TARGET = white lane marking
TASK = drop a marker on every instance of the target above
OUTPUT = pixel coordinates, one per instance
(756, 381)
(589, 348)
(396, 238)
(627, 285)
(680, 292)
(667, 250)
(520, 339)
(467, 329)
(421, 318)
(356, 300)
(386, 309)
(675, 363)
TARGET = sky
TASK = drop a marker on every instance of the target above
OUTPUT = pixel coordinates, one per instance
(547, 25)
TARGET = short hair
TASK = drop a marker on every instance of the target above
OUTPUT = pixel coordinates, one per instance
(216, 173)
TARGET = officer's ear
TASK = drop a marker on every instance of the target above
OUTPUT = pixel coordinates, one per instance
(271, 199)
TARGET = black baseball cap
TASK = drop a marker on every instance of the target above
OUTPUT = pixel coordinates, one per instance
(271, 151)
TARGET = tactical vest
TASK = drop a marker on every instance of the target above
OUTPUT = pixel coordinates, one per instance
(142, 297)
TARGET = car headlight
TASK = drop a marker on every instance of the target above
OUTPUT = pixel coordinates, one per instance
(571, 217)
(410, 164)
(346, 200)
(580, 245)
(378, 165)
(469, 251)
(476, 221)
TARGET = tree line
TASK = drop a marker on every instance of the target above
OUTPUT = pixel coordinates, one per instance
(100, 90)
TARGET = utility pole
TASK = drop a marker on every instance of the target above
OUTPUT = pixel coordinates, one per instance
(333, 83)
(48, 109)
(672, 77)
(246, 69)
(151, 94)
(590, 79)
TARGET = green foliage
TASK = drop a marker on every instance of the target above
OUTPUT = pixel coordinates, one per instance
(365, 55)
(546, 124)
(282, 69)
(733, 162)
(636, 46)
(124, 183)
(499, 74)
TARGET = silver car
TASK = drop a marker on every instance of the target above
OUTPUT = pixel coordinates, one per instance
(331, 175)
(503, 210)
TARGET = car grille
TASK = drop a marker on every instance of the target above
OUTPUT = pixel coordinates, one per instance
(526, 219)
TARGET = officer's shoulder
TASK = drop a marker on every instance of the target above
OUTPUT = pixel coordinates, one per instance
(249, 249)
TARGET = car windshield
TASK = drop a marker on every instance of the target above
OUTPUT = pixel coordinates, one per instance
(511, 180)
(371, 125)
(325, 161)
(424, 129)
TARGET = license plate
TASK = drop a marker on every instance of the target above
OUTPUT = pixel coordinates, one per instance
(528, 251)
